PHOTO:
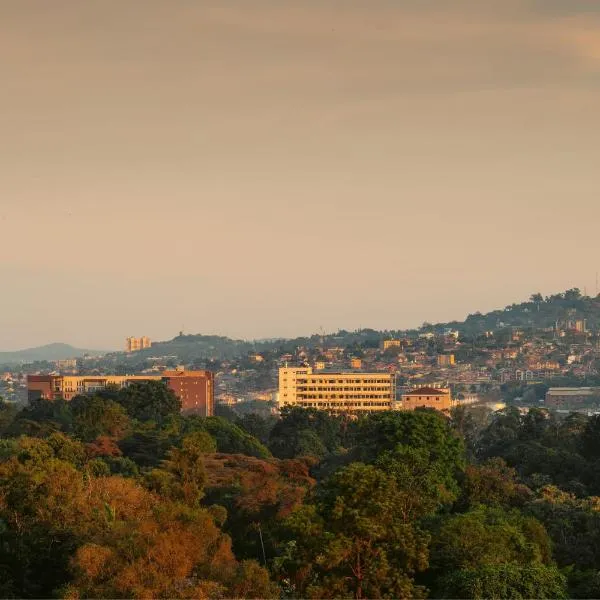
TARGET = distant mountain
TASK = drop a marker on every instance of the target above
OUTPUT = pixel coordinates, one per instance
(48, 352)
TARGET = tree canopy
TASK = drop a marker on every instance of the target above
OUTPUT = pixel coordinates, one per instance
(119, 495)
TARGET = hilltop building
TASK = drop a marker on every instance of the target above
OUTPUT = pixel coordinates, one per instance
(135, 344)
(391, 344)
(195, 389)
(336, 391)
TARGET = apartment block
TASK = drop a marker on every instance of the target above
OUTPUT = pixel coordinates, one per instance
(336, 391)
(135, 344)
(195, 389)
(391, 344)
(445, 360)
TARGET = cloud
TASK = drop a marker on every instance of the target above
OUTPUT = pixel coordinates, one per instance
(564, 7)
(429, 45)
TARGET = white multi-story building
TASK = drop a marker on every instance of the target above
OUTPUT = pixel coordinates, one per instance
(340, 392)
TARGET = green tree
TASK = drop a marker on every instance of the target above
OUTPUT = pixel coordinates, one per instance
(590, 440)
(232, 439)
(494, 483)
(149, 401)
(424, 431)
(147, 445)
(7, 415)
(67, 449)
(229, 437)
(571, 431)
(258, 426)
(354, 541)
(573, 525)
(488, 536)
(306, 432)
(182, 476)
(498, 582)
(94, 416)
(536, 424)
(422, 483)
(501, 433)
(41, 418)
(469, 422)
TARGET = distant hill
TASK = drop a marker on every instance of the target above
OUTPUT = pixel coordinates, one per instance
(48, 352)
(190, 347)
(536, 313)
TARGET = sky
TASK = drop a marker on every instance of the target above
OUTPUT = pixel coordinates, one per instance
(270, 168)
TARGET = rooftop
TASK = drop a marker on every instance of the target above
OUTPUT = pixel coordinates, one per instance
(426, 391)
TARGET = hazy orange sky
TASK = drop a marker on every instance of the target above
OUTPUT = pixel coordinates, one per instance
(264, 168)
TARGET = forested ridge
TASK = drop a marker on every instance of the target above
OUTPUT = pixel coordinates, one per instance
(118, 495)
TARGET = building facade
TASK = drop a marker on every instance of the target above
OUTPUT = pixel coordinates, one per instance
(427, 397)
(387, 344)
(195, 389)
(567, 398)
(445, 360)
(135, 344)
(66, 364)
(339, 392)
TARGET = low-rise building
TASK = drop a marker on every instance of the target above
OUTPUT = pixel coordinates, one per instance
(565, 397)
(356, 363)
(427, 397)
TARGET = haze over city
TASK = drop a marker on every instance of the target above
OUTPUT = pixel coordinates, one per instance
(266, 169)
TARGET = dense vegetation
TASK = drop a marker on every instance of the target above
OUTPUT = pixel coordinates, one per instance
(537, 313)
(118, 495)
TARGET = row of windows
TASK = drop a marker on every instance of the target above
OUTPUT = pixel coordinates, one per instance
(340, 396)
(345, 404)
(364, 381)
(432, 400)
(380, 388)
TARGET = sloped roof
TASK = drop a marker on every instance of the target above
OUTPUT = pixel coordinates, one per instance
(426, 391)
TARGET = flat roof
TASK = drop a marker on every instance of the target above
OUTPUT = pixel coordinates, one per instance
(571, 391)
